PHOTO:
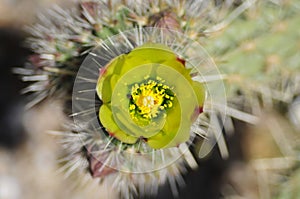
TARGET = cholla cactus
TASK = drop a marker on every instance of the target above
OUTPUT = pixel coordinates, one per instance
(258, 53)
(61, 39)
(107, 36)
(146, 119)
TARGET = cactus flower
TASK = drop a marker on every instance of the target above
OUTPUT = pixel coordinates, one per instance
(148, 94)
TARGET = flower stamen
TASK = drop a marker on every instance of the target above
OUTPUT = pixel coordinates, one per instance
(149, 99)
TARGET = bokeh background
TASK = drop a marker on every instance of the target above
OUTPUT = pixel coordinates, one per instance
(29, 156)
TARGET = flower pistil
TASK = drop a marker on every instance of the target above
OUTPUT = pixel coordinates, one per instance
(149, 99)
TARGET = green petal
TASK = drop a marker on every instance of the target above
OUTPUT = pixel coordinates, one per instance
(152, 60)
(125, 123)
(132, 61)
(180, 117)
(120, 105)
(179, 67)
(200, 92)
(108, 122)
(104, 88)
(175, 131)
(156, 53)
(170, 129)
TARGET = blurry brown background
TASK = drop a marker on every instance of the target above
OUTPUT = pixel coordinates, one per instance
(28, 154)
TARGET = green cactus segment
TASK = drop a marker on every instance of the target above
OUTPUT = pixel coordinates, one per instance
(258, 49)
(148, 94)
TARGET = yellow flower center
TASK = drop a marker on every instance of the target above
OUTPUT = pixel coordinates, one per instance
(149, 99)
